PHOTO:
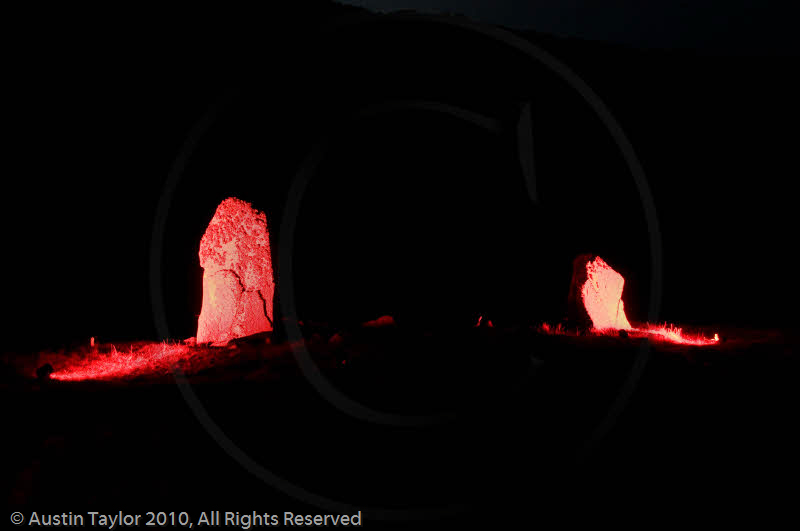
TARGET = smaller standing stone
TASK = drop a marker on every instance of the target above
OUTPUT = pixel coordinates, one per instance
(595, 295)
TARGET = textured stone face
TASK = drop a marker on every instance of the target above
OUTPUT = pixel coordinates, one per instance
(237, 274)
(595, 296)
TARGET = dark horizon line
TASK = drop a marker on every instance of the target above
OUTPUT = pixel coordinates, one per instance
(528, 32)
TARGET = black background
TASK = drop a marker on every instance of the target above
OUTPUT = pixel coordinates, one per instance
(415, 213)
(412, 213)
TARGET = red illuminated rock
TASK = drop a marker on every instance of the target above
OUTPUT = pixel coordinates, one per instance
(385, 320)
(237, 274)
(595, 294)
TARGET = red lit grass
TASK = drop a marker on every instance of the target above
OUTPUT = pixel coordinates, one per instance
(666, 333)
(139, 360)
(152, 362)
(674, 334)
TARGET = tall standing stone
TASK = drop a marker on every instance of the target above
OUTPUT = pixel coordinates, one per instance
(237, 274)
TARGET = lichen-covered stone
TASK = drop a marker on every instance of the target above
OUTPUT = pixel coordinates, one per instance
(237, 274)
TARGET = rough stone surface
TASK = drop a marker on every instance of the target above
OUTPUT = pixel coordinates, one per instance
(595, 295)
(237, 274)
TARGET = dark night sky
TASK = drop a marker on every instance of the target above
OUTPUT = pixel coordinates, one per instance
(96, 129)
(736, 27)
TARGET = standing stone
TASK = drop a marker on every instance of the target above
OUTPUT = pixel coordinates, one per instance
(237, 274)
(595, 295)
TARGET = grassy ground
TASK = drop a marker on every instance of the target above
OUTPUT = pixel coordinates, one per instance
(702, 421)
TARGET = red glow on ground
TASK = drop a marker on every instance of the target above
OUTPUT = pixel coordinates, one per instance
(149, 359)
(674, 334)
(666, 333)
